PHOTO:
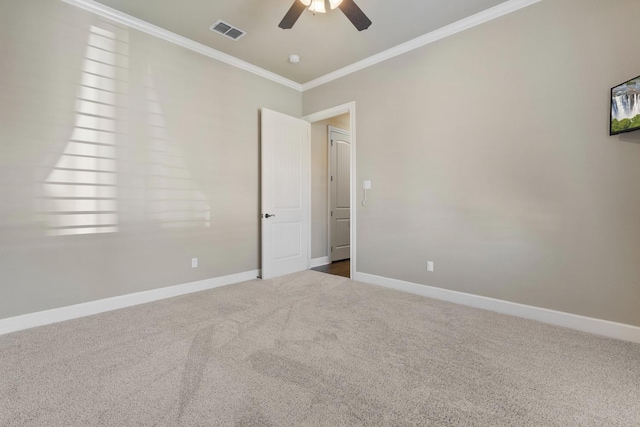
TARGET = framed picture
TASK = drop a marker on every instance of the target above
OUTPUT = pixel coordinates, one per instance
(625, 107)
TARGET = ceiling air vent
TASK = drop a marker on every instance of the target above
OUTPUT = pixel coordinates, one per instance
(227, 30)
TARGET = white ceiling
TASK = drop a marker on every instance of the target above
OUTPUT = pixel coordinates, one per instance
(325, 42)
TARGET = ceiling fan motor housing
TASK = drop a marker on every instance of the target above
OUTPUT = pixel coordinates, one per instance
(348, 7)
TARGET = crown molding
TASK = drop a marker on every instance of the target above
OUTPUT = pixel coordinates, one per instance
(145, 27)
(449, 30)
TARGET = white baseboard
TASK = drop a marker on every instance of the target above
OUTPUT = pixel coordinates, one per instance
(26, 321)
(581, 323)
(318, 262)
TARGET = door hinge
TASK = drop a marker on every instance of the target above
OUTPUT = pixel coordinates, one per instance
(331, 213)
(331, 248)
(332, 142)
(331, 178)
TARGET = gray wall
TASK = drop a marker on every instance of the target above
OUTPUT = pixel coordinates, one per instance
(186, 141)
(489, 154)
(319, 181)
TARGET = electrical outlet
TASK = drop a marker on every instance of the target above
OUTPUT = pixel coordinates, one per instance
(430, 266)
(194, 262)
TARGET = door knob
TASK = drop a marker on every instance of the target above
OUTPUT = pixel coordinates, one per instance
(268, 216)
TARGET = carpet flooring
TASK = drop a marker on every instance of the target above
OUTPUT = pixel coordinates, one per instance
(312, 349)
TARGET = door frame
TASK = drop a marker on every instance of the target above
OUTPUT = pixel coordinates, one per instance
(343, 132)
(350, 108)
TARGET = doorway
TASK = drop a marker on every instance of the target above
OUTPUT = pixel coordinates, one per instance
(333, 227)
(336, 268)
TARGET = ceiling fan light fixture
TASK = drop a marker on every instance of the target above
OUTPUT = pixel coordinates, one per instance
(334, 3)
(317, 6)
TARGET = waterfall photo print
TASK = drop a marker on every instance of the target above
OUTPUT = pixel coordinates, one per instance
(625, 107)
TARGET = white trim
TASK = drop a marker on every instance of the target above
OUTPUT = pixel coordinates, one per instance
(309, 197)
(446, 31)
(327, 114)
(319, 262)
(330, 112)
(27, 321)
(581, 323)
(329, 253)
(145, 27)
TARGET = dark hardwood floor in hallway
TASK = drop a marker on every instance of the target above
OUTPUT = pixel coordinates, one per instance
(338, 268)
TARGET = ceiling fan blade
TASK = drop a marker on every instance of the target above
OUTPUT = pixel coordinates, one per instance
(292, 15)
(355, 14)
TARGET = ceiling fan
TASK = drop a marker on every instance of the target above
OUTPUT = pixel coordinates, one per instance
(348, 7)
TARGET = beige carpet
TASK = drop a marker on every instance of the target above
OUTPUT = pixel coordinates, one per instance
(314, 350)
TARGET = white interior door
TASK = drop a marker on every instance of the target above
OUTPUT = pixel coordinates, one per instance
(285, 194)
(340, 194)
